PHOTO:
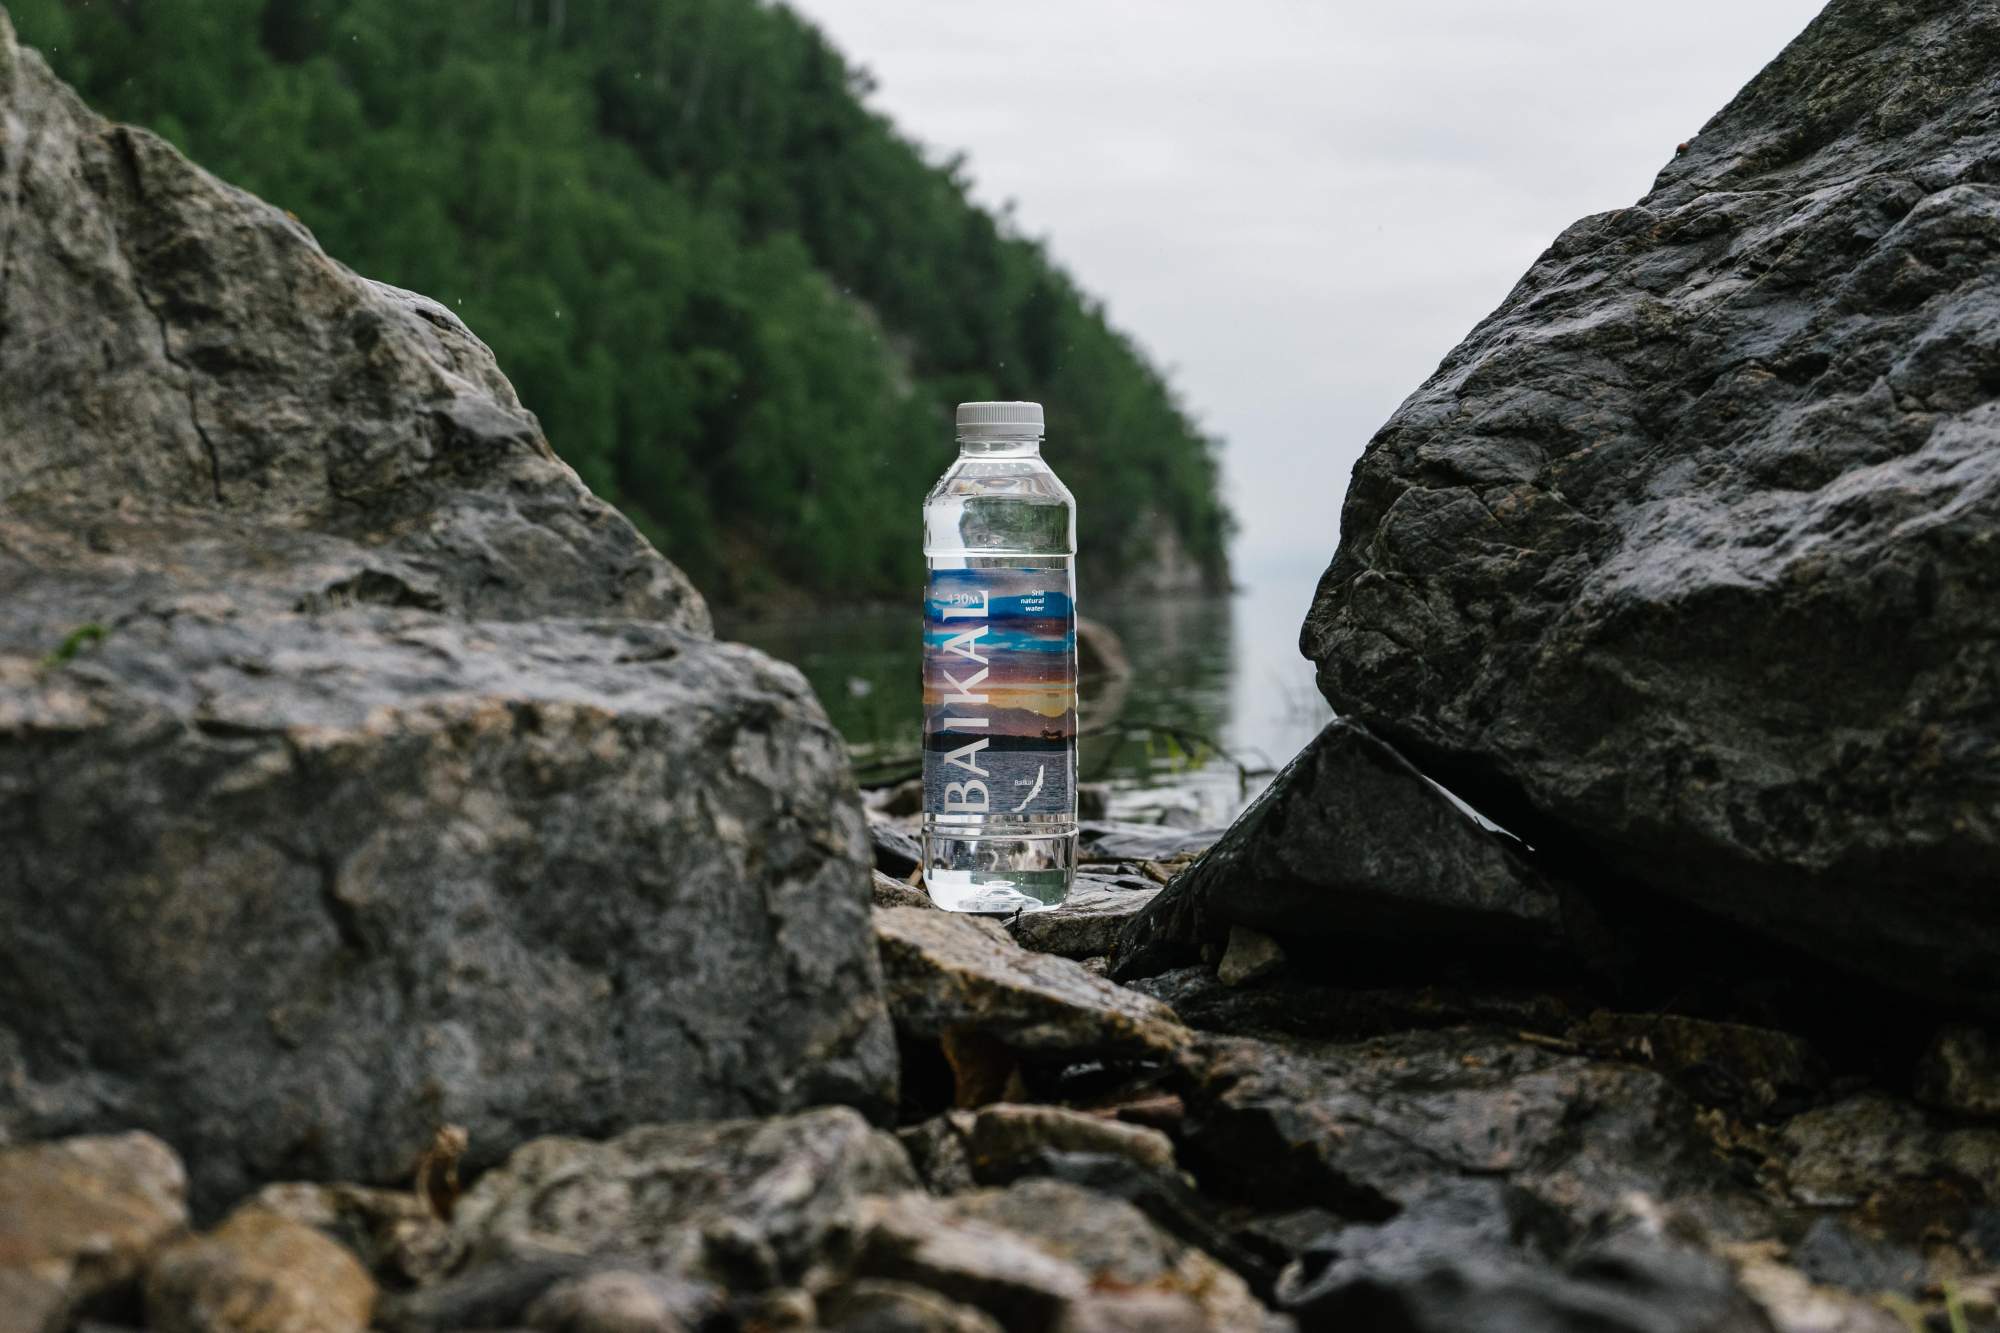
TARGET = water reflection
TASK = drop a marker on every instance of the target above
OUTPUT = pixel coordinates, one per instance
(1218, 696)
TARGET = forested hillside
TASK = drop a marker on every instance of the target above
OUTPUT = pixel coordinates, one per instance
(741, 303)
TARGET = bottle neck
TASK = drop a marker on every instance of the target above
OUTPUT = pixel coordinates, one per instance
(999, 446)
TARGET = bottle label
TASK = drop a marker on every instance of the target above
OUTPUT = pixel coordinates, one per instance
(999, 694)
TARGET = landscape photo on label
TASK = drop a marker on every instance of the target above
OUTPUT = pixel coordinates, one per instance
(1004, 638)
(1000, 668)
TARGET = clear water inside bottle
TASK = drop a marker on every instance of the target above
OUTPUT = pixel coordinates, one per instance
(1000, 541)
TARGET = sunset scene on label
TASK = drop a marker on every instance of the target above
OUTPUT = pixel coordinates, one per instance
(998, 647)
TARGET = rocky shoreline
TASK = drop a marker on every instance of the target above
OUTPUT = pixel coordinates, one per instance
(412, 917)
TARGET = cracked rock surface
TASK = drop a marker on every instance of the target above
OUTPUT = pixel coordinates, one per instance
(1686, 561)
(359, 770)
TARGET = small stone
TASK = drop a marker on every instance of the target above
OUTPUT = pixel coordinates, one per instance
(940, 1147)
(1089, 920)
(876, 1306)
(1961, 1072)
(1004, 1137)
(258, 1273)
(1843, 1153)
(1795, 1304)
(911, 1238)
(894, 893)
(1250, 956)
(1734, 1064)
(743, 1203)
(1117, 1247)
(1136, 1312)
(393, 1231)
(493, 1295)
(786, 1310)
(78, 1218)
(897, 851)
(622, 1301)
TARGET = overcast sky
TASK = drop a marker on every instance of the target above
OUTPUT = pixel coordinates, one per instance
(1299, 206)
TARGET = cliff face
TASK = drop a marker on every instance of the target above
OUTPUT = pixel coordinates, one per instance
(359, 769)
(1684, 562)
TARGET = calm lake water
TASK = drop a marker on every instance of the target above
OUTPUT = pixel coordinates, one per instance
(1218, 699)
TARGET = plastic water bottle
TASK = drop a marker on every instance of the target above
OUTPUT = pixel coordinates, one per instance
(999, 670)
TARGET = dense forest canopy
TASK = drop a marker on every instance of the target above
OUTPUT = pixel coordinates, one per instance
(741, 303)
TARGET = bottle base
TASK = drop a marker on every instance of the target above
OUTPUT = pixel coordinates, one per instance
(998, 876)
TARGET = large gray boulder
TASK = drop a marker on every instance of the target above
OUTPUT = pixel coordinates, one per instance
(1687, 560)
(359, 770)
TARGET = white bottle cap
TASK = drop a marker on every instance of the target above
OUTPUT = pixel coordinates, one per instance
(999, 418)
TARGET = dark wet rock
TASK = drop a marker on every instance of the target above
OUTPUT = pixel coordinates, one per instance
(1294, 1008)
(258, 1273)
(947, 973)
(1684, 560)
(1757, 1070)
(895, 893)
(1112, 840)
(1840, 1252)
(1874, 1147)
(1433, 1282)
(345, 737)
(1961, 1072)
(876, 1306)
(1089, 920)
(623, 1301)
(1351, 846)
(897, 850)
(79, 1219)
(747, 1203)
(1376, 1128)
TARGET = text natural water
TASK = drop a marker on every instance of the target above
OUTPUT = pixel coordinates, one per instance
(999, 670)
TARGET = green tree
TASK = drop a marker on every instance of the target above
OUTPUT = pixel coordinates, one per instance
(741, 303)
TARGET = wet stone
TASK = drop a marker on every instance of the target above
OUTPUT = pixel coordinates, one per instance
(1961, 1072)
(949, 974)
(258, 1273)
(78, 1220)
(745, 1203)
(1089, 920)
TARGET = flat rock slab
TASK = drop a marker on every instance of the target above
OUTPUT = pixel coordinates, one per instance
(1684, 559)
(1351, 846)
(258, 1273)
(360, 770)
(1087, 924)
(1100, 840)
(947, 973)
